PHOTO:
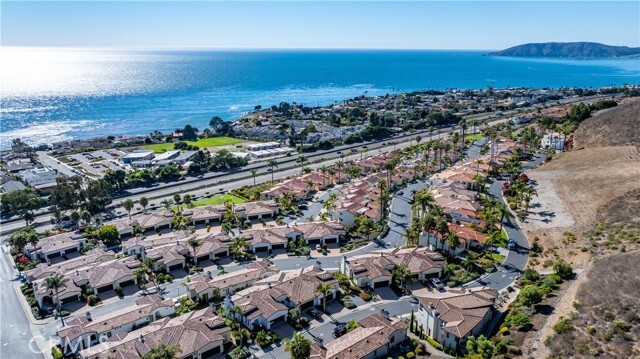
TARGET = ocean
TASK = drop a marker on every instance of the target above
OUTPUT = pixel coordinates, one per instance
(50, 95)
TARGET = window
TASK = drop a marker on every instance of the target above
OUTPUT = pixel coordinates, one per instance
(447, 335)
(393, 339)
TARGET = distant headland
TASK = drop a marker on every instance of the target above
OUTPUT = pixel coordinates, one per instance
(569, 49)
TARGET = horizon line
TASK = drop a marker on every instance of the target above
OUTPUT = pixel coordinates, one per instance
(224, 48)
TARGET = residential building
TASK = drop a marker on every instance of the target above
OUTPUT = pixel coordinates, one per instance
(201, 335)
(85, 331)
(11, 186)
(451, 317)
(55, 246)
(374, 270)
(268, 301)
(40, 178)
(206, 287)
(91, 258)
(374, 337)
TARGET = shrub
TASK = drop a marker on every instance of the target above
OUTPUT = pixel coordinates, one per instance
(32, 301)
(504, 330)
(434, 343)
(365, 296)
(520, 319)
(56, 353)
(118, 290)
(591, 330)
(92, 299)
(411, 355)
(563, 325)
(502, 348)
(562, 268)
(530, 295)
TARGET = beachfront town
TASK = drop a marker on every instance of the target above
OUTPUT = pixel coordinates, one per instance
(376, 227)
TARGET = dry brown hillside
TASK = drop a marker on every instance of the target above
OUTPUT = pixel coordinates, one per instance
(588, 206)
(617, 126)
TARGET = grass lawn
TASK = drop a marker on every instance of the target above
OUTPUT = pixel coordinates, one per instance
(473, 138)
(219, 199)
(504, 240)
(202, 143)
(498, 258)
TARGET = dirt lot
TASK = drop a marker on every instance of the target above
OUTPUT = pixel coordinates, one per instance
(598, 130)
(573, 190)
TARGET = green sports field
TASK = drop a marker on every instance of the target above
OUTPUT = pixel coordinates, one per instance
(201, 143)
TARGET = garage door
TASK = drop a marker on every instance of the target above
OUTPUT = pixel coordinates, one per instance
(314, 241)
(381, 284)
(261, 249)
(104, 289)
(221, 254)
(306, 305)
(211, 352)
(54, 255)
(71, 250)
(331, 240)
(203, 258)
(127, 283)
(68, 300)
(175, 267)
(278, 246)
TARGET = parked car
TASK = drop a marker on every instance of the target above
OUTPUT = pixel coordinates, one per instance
(318, 247)
(340, 330)
(437, 283)
(314, 313)
(400, 193)
(512, 243)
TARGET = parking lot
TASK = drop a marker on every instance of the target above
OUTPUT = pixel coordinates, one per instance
(95, 163)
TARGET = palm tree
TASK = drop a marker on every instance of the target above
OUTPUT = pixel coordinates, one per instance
(453, 242)
(128, 206)
(299, 346)
(302, 160)
(339, 165)
(253, 173)
(28, 217)
(54, 283)
(272, 164)
(140, 274)
(163, 351)
(194, 243)
(423, 199)
(238, 336)
(166, 203)
(504, 212)
(402, 274)
(144, 202)
(382, 186)
(324, 289)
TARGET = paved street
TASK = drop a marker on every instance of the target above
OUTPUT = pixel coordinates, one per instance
(15, 334)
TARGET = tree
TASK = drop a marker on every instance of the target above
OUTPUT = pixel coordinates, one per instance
(272, 164)
(216, 123)
(253, 174)
(177, 198)
(86, 217)
(20, 238)
(562, 269)
(163, 351)
(194, 243)
(530, 295)
(54, 283)
(453, 241)
(187, 199)
(238, 336)
(324, 289)
(128, 204)
(108, 233)
(144, 202)
(167, 173)
(352, 325)
(190, 133)
(75, 217)
(28, 217)
(166, 203)
(480, 346)
(18, 202)
(343, 279)
(402, 274)
(299, 346)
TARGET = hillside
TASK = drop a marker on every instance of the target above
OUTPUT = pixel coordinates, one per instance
(568, 49)
(617, 126)
(588, 212)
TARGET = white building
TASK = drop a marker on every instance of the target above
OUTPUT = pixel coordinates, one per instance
(554, 141)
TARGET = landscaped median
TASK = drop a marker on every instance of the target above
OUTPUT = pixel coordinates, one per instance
(201, 143)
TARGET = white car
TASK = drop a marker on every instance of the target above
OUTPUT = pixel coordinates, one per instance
(437, 283)
(318, 247)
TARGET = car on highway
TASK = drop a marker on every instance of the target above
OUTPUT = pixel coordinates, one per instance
(182, 178)
(339, 152)
(437, 283)
(200, 176)
(400, 193)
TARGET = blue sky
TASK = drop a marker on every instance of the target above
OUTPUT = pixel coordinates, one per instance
(306, 24)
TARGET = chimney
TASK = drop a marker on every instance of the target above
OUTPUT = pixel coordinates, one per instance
(141, 338)
(269, 285)
(209, 274)
(319, 341)
(88, 315)
(430, 305)
(384, 313)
